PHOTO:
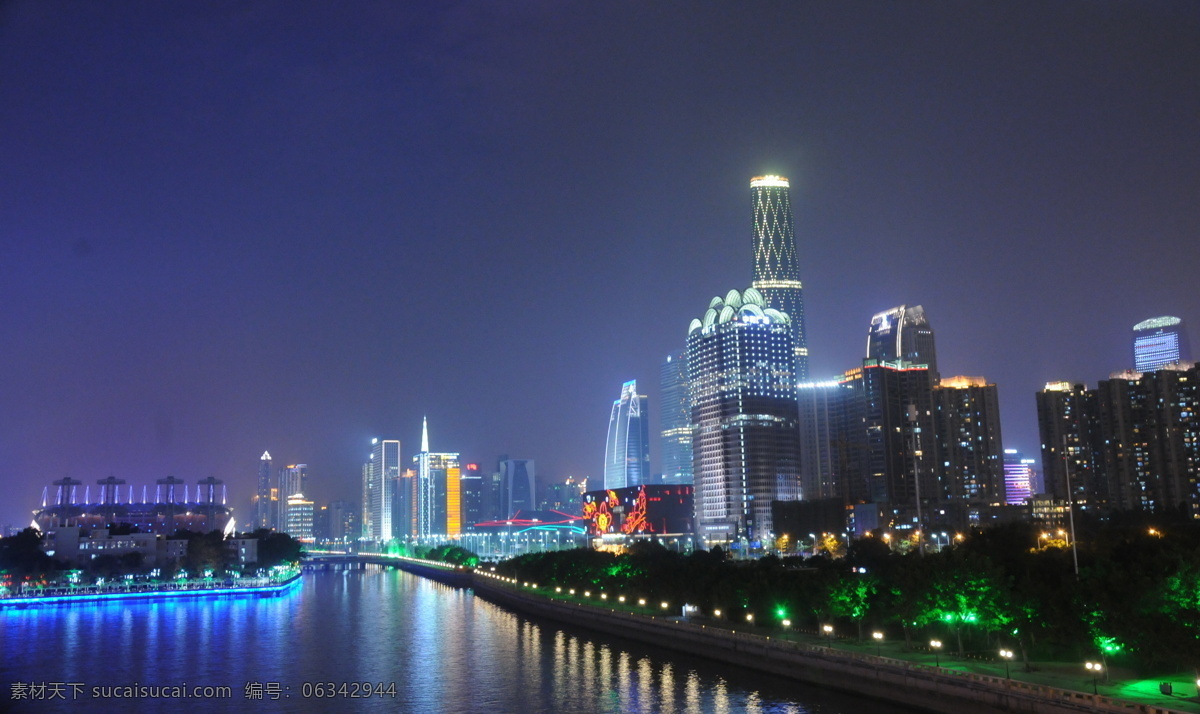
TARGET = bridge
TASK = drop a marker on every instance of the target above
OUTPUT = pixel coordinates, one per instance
(434, 570)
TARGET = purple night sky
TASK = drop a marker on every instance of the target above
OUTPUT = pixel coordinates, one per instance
(237, 226)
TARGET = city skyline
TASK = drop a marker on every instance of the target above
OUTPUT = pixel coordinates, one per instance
(223, 228)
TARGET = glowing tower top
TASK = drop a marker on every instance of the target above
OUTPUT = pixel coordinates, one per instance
(776, 267)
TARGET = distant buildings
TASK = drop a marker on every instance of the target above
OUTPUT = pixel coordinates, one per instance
(745, 438)
(675, 420)
(70, 505)
(776, 266)
(518, 486)
(299, 524)
(627, 449)
(1158, 342)
(1133, 442)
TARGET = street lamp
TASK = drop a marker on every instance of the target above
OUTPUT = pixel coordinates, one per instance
(828, 630)
(1095, 668)
(1006, 655)
(750, 617)
(878, 643)
(936, 646)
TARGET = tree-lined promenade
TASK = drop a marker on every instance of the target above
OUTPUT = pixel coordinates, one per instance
(1134, 604)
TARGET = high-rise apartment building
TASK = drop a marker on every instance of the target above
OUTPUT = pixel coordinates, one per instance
(1068, 423)
(776, 266)
(1158, 342)
(675, 420)
(265, 497)
(627, 450)
(969, 445)
(380, 475)
(1149, 426)
(902, 334)
(745, 438)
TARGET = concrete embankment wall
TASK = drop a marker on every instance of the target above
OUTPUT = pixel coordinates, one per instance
(456, 577)
(920, 686)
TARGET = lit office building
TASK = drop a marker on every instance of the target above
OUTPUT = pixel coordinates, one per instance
(1018, 478)
(627, 449)
(380, 475)
(903, 334)
(820, 454)
(776, 267)
(1158, 342)
(745, 438)
(675, 423)
(292, 479)
(300, 518)
(437, 486)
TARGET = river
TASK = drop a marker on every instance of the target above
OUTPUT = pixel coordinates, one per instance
(397, 641)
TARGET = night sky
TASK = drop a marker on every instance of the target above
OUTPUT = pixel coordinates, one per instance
(237, 226)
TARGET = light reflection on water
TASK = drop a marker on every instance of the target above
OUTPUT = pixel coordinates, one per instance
(445, 649)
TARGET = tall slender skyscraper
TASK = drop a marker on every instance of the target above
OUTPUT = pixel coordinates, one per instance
(675, 417)
(379, 482)
(439, 495)
(627, 452)
(1158, 342)
(745, 431)
(265, 497)
(776, 267)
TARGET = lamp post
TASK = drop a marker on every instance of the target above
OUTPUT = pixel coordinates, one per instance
(878, 643)
(1006, 655)
(1095, 668)
(828, 630)
(936, 646)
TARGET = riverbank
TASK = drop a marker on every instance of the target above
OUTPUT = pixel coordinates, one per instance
(931, 688)
(261, 587)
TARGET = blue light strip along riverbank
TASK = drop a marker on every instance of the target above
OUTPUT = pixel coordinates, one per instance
(273, 589)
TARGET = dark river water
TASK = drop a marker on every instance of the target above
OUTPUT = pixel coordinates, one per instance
(395, 641)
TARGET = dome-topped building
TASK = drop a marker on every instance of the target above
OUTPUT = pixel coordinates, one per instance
(745, 443)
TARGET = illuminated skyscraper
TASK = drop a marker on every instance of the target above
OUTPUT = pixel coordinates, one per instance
(776, 267)
(265, 497)
(293, 479)
(903, 334)
(1158, 342)
(627, 451)
(745, 432)
(379, 482)
(438, 490)
(1018, 478)
(675, 418)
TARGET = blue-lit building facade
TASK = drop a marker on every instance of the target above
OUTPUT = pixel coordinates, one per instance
(675, 420)
(627, 449)
(745, 438)
(776, 265)
(1158, 342)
